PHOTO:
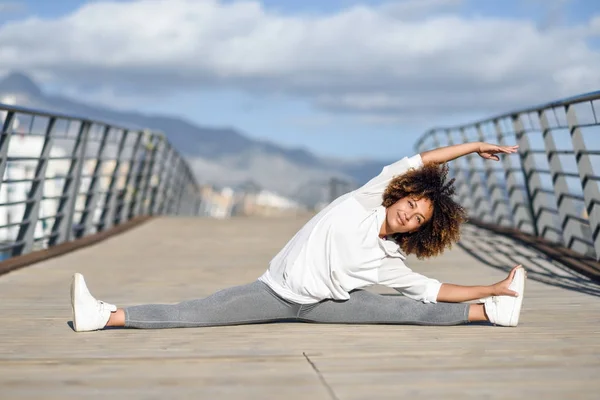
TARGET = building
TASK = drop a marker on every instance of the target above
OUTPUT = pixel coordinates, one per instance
(24, 152)
(17, 182)
(226, 202)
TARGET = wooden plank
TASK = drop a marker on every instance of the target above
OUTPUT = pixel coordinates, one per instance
(554, 353)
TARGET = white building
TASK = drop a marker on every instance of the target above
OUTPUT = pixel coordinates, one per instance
(24, 145)
(29, 146)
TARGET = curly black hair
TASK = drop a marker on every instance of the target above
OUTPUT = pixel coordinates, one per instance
(443, 229)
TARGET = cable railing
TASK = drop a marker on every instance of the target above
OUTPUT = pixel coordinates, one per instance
(551, 190)
(65, 177)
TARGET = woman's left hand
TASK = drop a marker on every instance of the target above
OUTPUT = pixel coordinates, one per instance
(489, 151)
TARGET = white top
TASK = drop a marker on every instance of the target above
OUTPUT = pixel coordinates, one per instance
(340, 250)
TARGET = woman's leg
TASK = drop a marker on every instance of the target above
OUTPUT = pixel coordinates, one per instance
(247, 304)
(253, 303)
(370, 308)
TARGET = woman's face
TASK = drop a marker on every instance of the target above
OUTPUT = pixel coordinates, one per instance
(408, 215)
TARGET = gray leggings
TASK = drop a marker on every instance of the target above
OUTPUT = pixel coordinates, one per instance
(257, 303)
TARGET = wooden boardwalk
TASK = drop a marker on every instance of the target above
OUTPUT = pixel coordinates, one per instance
(553, 354)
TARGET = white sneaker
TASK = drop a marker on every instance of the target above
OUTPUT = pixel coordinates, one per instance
(505, 310)
(89, 314)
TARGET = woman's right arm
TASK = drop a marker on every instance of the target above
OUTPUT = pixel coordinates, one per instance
(449, 153)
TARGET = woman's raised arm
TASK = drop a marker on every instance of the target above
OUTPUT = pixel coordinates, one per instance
(449, 153)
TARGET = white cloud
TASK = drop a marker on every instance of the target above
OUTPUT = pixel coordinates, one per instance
(385, 60)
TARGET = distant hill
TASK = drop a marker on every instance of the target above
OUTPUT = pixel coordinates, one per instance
(220, 156)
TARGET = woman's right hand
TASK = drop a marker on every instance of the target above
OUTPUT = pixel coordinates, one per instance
(489, 151)
(501, 288)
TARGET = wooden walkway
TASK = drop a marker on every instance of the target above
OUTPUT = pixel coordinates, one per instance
(553, 354)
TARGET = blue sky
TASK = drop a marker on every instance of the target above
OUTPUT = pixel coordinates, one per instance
(570, 11)
(364, 111)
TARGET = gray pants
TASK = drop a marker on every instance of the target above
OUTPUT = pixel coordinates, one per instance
(257, 303)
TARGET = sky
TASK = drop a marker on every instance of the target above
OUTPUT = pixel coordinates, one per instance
(342, 78)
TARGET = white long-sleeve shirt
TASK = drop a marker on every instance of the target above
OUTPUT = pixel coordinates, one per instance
(340, 250)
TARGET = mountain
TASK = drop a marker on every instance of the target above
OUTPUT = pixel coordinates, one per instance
(19, 83)
(220, 156)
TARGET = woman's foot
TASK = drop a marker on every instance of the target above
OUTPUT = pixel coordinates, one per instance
(89, 314)
(505, 310)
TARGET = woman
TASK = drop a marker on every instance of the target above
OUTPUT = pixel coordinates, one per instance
(360, 239)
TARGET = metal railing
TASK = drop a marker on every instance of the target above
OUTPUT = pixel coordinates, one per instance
(550, 189)
(65, 177)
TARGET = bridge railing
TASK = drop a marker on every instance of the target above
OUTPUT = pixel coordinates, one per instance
(65, 177)
(551, 189)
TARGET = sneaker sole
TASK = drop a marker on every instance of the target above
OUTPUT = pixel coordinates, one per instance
(516, 311)
(74, 294)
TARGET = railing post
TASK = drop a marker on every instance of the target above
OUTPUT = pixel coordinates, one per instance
(163, 176)
(107, 219)
(5, 136)
(459, 173)
(531, 180)
(125, 206)
(179, 188)
(568, 227)
(173, 193)
(31, 215)
(538, 200)
(91, 198)
(183, 194)
(63, 224)
(140, 177)
(193, 193)
(144, 205)
(479, 192)
(500, 214)
(167, 193)
(188, 204)
(519, 211)
(591, 193)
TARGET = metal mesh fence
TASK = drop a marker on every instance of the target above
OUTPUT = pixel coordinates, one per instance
(65, 177)
(550, 190)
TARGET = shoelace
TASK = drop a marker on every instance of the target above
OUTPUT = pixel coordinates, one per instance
(104, 306)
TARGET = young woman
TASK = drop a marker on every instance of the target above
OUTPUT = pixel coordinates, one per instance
(360, 239)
